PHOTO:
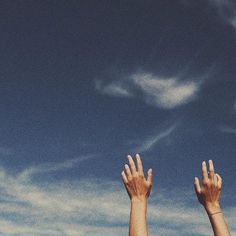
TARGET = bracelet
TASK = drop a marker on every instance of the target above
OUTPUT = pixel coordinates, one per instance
(215, 213)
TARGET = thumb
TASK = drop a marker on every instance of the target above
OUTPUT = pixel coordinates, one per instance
(149, 177)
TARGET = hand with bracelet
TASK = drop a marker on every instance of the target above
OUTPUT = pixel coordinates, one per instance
(208, 195)
(138, 188)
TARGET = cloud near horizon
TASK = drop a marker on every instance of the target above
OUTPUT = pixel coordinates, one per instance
(163, 93)
(92, 206)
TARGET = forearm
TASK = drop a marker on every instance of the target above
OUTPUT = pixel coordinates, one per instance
(218, 223)
(138, 220)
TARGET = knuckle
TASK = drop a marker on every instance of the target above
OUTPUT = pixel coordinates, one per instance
(210, 184)
(212, 181)
(141, 175)
(135, 176)
(130, 178)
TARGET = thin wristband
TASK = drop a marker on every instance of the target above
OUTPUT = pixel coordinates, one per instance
(215, 213)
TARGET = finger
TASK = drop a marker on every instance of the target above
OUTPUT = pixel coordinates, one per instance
(149, 176)
(211, 170)
(139, 165)
(197, 186)
(219, 181)
(125, 180)
(204, 173)
(127, 171)
(132, 165)
(215, 180)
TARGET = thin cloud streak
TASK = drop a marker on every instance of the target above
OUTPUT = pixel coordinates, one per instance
(149, 143)
(227, 129)
(53, 167)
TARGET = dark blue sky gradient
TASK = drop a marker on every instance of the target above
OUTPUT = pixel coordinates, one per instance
(52, 54)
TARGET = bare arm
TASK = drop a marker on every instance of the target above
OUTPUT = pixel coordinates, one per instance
(209, 196)
(138, 189)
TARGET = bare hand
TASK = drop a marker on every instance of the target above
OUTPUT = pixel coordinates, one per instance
(209, 193)
(135, 183)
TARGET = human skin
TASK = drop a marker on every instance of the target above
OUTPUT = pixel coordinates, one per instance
(208, 195)
(138, 188)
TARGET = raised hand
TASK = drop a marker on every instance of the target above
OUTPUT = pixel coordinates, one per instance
(137, 186)
(209, 193)
(209, 196)
(138, 189)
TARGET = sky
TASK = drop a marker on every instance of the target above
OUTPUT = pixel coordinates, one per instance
(84, 83)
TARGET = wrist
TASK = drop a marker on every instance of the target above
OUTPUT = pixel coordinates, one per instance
(139, 200)
(211, 209)
(139, 205)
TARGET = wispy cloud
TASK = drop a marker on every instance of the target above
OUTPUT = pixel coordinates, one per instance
(53, 167)
(226, 9)
(152, 141)
(116, 89)
(164, 93)
(90, 207)
(227, 129)
(5, 151)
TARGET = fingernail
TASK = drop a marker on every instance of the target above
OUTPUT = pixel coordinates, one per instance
(204, 163)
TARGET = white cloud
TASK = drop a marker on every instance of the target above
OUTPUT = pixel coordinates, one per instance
(165, 93)
(91, 207)
(115, 89)
(152, 141)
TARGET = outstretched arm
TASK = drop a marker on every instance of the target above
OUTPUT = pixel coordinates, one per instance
(138, 189)
(209, 196)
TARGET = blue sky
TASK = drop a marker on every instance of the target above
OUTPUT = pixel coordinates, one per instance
(84, 83)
